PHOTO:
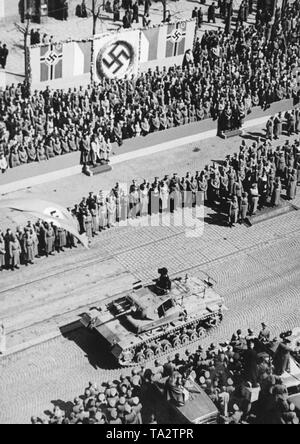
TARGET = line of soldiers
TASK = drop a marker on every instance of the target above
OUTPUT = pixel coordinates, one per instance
(245, 183)
(24, 246)
(288, 123)
(256, 177)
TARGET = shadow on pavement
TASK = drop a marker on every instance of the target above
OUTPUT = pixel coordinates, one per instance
(94, 348)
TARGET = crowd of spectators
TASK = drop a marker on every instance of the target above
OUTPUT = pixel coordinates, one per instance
(133, 11)
(248, 181)
(252, 67)
(244, 378)
(37, 38)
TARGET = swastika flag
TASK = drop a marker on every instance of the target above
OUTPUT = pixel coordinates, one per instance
(51, 59)
(117, 55)
(176, 36)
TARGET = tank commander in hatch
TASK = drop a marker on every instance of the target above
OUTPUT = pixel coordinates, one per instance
(164, 282)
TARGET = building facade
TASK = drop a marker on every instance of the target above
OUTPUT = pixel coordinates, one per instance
(12, 10)
(9, 10)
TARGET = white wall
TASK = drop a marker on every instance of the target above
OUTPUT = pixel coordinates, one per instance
(2, 9)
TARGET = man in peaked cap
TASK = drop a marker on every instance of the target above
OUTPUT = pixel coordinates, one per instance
(265, 334)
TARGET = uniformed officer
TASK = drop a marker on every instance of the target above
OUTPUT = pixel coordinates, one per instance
(265, 334)
(164, 282)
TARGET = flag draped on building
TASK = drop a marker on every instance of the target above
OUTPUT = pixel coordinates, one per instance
(176, 35)
(51, 62)
(149, 44)
(116, 55)
(166, 45)
(48, 212)
(82, 58)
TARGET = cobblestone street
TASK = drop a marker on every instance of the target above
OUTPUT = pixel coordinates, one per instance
(259, 282)
(256, 270)
(128, 187)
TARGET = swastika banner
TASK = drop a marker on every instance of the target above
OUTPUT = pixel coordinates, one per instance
(51, 62)
(117, 55)
(62, 61)
(237, 4)
(166, 45)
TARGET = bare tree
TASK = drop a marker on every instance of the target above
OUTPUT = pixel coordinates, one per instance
(25, 31)
(95, 11)
(165, 4)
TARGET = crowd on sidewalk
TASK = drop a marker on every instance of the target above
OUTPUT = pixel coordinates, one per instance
(248, 181)
(249, 68)
(244, 377)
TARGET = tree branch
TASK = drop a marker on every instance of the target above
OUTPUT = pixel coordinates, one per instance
(20, 28)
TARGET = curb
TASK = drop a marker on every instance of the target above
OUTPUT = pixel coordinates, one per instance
(132, 155)
(65, 329)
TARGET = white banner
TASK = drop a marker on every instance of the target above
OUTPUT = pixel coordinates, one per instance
(117, 55)
(237, 4)
(2, 9)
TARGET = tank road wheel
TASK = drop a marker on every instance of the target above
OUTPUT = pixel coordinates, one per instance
(212, 322)
(194, 336)
(166, 346)
(149, 354)
(201, 332)
(127, 357)
(140, 358)
(176, 342)
(185, 339)
(158, 350)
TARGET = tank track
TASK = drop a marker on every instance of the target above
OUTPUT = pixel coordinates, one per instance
(181, 347)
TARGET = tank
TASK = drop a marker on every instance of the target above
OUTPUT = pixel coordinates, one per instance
(148, 322)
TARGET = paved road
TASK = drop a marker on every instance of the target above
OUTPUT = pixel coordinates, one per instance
(257, 271)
